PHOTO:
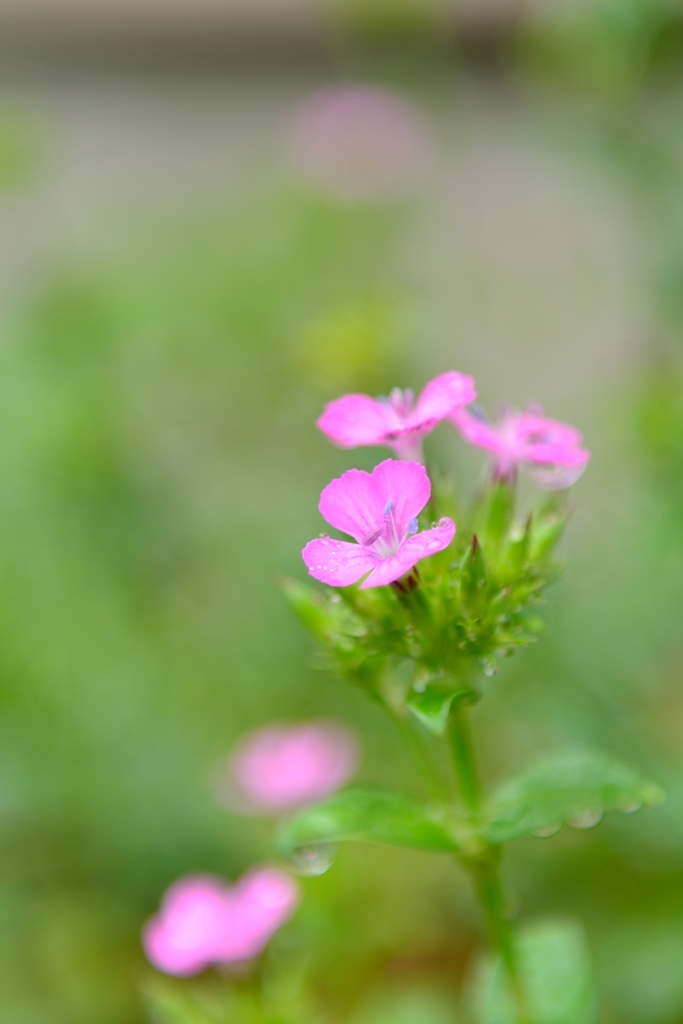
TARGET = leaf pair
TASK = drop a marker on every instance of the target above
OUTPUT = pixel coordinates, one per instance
(577, 788)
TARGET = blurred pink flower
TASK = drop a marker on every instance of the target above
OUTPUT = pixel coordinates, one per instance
(203, 921)
(281, 767)
(361, 142)
(550, 450)
(379, 509)
(398, 422)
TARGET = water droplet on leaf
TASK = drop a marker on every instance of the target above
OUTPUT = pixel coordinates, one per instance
(589, 819)
(548, 830)
(314, 860)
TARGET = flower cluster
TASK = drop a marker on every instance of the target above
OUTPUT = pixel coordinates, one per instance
(471, 597)
(203, 921)
(380, 509)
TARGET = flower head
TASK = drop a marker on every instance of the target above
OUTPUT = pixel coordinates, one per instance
(285, 766)
(203, 921)
(359, 143)
(399, 422)
(379, 510)
(550, 450)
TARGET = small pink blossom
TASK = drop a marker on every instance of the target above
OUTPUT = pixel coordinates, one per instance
(550, 450)
(359, 143)
(203, 921)
(399, 422)
(379, 510)
(282, 767)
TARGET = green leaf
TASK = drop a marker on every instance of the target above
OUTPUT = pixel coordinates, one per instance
(547, 529)
(473, 578)
(369, 815)
(555, 976)
(432, 705)
(500, 509)
(576, 787)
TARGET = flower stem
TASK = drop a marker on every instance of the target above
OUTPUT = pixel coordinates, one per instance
(483, 866)
(463, 757)
(420, 757)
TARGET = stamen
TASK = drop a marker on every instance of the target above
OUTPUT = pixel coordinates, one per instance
(412, 527)
(372, 537)
(389, 507)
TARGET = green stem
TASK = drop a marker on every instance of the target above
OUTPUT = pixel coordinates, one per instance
(463, 757)
(420, 757)
(483, 866)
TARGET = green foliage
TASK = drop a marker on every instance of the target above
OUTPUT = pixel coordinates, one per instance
(432, 706)
(605, 46)
(376, 816)
(20, 147)
(555, 974)
(577, 788)
(212, 1001)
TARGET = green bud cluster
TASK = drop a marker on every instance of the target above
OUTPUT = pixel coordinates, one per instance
(427, 639)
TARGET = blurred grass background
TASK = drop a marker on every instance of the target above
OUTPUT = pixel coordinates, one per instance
(177, 305)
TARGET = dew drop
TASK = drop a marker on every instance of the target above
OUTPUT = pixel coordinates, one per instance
(489, 667)
(589, 819)
(548, 830)
(311, 861)
(630, 808)
(323, 536)
(443, 522)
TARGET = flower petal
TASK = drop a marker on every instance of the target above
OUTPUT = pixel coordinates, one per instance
(262, 901)
(556, 476)
(411, 551)
(357, 420)
(441, 397)
(182, 939)
(535, 428)
(336, 562)
(353, 503)
(281, 767)
(553, 445)
(404, 484)
(478, 432)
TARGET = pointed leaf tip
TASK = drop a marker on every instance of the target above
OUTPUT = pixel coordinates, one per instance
(432, 705)
(576, 787)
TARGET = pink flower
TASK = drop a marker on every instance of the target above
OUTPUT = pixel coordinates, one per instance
(379, 509)
(551, 450)
(398, 421)
(202, 921)
(284, 766)
(361, 143)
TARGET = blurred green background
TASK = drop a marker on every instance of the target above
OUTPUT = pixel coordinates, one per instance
(178, 302)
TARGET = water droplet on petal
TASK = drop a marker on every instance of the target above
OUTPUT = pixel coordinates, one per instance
(589, 819)
(443, 522)
(323, 536)
(314, 860)
(548, 830)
